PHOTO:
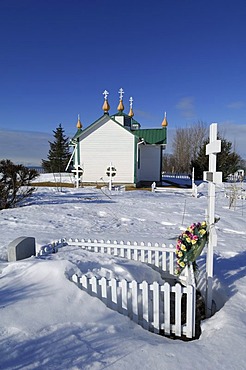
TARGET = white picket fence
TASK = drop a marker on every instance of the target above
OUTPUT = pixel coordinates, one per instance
(154, 254)
(155, 307)
(165, 309)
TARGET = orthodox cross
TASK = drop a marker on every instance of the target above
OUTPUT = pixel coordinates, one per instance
(131, 101)
(121, 92)
(105, 93)
(213, 178)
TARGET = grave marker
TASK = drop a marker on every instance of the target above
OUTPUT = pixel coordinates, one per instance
(111, 172)
(21, 248)
(213, 178)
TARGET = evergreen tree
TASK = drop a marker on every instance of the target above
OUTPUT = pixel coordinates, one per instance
(59, 154)
(228, 161)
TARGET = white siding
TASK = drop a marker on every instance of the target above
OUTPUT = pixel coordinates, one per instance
(119, 119)
(109, 142)
(150, 163)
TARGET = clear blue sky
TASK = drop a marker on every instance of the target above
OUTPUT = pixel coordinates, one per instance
(186, 57)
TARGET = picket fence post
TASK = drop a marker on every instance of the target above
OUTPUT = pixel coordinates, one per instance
(145, 303)
(156, 312)
(167, 309)
(178, 297)
(134, 295)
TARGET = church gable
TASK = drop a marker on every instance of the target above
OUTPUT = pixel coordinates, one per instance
(106, 133)
(102, 124)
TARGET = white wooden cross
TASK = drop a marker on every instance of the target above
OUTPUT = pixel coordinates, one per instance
(213, 178)
(121, 92)
(111, 172)
(78, 173)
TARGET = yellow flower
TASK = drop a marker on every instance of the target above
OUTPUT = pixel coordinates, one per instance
(181, 264)
(188, 239)
(203, 224)
(202, 231)
(177, 271)
(180, 254)
(183, 247)
(193, 241)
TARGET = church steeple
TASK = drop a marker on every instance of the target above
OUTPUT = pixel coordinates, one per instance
(121, 105)
(131, 114)
(164, 122)
(106, 105)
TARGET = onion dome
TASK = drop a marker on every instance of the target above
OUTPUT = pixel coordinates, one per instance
(164, 122)
(105, 106)
(121, 106)
(130, 114)
(79, 124)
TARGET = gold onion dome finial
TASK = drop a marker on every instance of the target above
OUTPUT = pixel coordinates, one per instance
(121, 105)
(131, 114)
(79, 124)
(164, 122)
(106, 105)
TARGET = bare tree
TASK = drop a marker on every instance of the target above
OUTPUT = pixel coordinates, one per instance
(168, 162)
(181, 150)
(186, 145)
(199, 133)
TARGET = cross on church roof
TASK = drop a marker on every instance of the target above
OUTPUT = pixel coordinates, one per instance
(131, 101)
(105, 93)
(121, 92)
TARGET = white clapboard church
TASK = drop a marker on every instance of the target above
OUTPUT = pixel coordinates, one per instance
(117, 141)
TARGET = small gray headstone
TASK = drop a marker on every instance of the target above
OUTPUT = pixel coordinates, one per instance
(21, 248)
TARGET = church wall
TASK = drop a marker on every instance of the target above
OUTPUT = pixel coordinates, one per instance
(108, 143)
(150, 163)
(119, 119)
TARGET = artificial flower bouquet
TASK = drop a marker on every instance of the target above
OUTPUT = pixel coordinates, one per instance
(190, 245)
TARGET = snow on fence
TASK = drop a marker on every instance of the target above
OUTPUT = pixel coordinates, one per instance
(165, 309)
(159, 308)
(158, 255)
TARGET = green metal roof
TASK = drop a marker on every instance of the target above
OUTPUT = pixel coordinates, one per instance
(78, 133)
(152, 136)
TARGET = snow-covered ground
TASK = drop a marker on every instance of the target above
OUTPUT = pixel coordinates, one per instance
(46, 322)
